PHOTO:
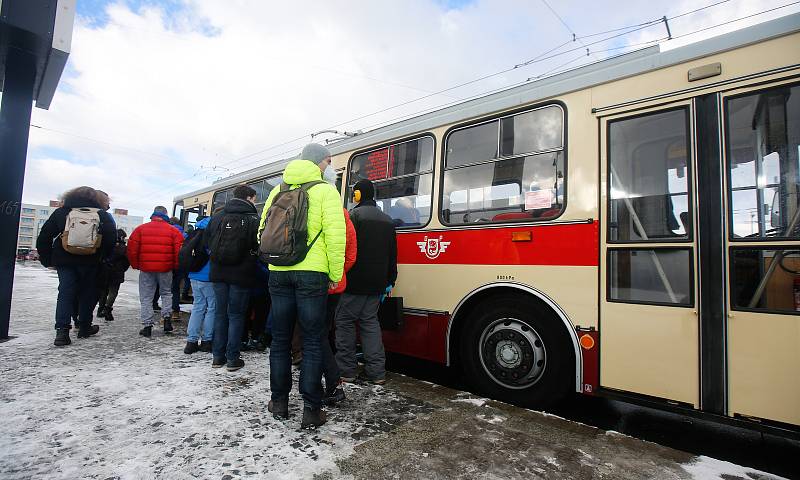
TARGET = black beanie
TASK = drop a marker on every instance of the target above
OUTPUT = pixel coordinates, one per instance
(366, 188)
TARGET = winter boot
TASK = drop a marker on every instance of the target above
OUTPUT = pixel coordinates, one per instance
(333, 396)
(279, 409)
(146, 331)
(235, 365)
(176, 316)
(206, 346)
(108, 316)
(313, 418)
(191, 347)
(62, 337)
(87, 330)
(218, 362)
(167, 325)
(101, 312)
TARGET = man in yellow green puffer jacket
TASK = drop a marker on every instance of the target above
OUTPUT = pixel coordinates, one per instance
(300, 291)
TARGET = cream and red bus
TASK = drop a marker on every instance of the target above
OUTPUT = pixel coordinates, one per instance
(628, 228)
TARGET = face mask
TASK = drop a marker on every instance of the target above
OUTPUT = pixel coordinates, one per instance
(329, 175)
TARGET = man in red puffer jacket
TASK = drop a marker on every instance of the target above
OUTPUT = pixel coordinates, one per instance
(153, 250)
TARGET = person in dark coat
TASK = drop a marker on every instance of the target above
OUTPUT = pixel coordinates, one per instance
(112, 275)
(232, 238)
(77, 274)
(373, 274)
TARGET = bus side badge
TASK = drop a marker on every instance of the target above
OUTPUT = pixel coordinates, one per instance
(433, 247)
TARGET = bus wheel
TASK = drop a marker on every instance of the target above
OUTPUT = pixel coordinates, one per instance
(516, 351)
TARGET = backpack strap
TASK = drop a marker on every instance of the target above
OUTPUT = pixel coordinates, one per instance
(307, 186)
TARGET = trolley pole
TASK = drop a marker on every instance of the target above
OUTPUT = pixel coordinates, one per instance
(15, 119)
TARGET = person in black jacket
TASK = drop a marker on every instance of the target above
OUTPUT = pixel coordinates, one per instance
(373, 274)
(111, 276)
(232, 239)
(77, 274)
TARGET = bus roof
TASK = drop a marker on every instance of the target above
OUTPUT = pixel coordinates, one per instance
(616, 68)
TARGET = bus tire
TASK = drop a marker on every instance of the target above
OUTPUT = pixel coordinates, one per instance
(514, 349)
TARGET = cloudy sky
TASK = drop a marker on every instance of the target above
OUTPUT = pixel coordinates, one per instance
(161, 97)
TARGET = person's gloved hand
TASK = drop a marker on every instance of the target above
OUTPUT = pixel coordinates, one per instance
(387, 292)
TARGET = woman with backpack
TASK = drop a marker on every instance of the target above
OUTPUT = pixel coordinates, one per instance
(204, 307)
(112, 275)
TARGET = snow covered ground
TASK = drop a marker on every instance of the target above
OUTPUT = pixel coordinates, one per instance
(119, 406)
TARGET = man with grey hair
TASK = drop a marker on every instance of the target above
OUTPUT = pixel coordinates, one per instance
(153, 249)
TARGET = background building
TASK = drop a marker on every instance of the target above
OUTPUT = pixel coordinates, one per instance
(32, 217)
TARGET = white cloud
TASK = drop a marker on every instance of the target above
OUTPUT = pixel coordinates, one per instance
(169, 99)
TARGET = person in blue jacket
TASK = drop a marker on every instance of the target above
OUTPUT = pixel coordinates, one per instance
(204, 307)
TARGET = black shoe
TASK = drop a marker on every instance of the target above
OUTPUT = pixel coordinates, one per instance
(313, 418)
(167, 325)
(146, 331)
(245, 347)
(333, 397)
(62, 337)
(191, 347)
(86, 331)
(218, 362)
(235, 365)
(205, 346)
(108, 316)
(101, 312)
(279, 409)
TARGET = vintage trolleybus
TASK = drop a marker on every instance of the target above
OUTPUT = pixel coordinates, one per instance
(629, 228)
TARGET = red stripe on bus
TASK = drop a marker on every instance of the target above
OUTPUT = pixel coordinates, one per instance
(574, 244)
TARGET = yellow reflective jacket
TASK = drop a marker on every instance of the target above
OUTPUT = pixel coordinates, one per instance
(324, 213)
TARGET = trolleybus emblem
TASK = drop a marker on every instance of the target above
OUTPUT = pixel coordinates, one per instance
(433, 247)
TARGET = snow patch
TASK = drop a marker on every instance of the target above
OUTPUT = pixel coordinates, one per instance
(707, 468)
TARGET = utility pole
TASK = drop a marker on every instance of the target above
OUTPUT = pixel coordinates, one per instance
(35, 38)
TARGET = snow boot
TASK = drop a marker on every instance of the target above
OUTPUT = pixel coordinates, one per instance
(190, 348)
(218, 362)
(107, 315)
(62, 337)
(146, 331)
(235, 365)
(313, 418)
(333, 396)
(101, 312)
(87, 330)
(167, 325)
(279, 409)
(205, 346)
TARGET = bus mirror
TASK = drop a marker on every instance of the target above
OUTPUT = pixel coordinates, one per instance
(775, 210)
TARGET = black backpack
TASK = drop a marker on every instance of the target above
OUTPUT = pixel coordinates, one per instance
(284, 240)
(232, 240)
(193, 255)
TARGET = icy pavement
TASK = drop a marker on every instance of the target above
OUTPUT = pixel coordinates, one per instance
(119, 406)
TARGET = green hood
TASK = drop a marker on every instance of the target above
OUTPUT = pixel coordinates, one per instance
(301, 171)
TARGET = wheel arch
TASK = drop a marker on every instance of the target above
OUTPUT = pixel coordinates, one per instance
(457, 320)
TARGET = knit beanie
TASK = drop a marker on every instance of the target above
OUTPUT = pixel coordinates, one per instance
(366, 188)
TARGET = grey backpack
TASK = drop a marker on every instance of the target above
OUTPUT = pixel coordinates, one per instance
(284, 240)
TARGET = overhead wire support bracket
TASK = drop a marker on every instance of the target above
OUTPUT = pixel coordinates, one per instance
(666, 24)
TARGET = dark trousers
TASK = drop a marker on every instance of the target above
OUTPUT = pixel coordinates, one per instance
(297, 295)
(108, 294)
(177, 276)
(76, 284)
(229, 320)
(330, 369)
(256, 314)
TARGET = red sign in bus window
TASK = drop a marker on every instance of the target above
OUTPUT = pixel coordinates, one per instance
(375, 166)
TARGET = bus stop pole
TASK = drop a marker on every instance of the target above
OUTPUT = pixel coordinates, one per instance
(15, 119)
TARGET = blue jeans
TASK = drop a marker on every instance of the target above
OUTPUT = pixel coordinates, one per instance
(299, 295)
(203, 312)
(76, 285)
(229, 320)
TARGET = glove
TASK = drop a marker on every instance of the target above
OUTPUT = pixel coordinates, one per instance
(387, 292)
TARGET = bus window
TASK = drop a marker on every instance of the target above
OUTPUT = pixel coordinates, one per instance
(221, 198)
(507, 170)
(403, 178)
(649, 177)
